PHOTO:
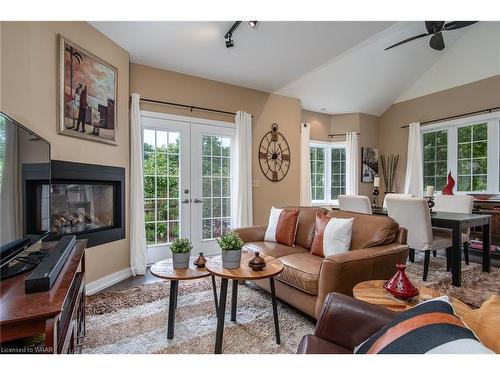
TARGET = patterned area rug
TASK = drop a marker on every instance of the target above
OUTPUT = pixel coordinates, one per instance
(135, 320)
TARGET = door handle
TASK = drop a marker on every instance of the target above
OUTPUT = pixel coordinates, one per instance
(196, 200)
(185, 201)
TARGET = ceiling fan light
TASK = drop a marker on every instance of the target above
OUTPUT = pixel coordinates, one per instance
(252, 24)
(229, 43)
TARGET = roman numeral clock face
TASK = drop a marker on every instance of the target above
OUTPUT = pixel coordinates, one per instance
(274, 155)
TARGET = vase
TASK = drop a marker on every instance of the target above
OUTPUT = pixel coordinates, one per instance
(231, 259)
(257, 263)
(400, 285)
(200, 261)
(180, 260)
(448, 189)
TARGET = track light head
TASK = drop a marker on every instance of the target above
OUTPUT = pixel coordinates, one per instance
(229, 42)
(252, 24)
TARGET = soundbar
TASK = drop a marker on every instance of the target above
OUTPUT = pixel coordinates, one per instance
(45, 274)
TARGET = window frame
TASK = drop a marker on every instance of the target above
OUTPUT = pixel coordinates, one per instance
(328, 147)
(493, 144)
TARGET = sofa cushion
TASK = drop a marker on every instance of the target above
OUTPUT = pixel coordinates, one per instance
(273, 249)
(369, 230)
(305, 227)
(332, 235)
(301, 271)
(282, 226)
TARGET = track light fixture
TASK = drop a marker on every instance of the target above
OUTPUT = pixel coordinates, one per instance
(234, 26)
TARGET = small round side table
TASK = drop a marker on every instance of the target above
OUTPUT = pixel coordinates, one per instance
(164, 269)
(373, 292)
(214, 266)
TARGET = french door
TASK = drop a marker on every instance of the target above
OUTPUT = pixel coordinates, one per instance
(188, 188)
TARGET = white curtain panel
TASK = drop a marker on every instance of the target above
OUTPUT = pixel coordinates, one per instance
(414, 180)
(137, 230)
(10, 221)
(242, 215)
(352, 163)
(305, 165)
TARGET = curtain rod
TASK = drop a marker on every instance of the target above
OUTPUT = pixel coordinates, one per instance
(487, 110)
(339, 134)
(190, 107)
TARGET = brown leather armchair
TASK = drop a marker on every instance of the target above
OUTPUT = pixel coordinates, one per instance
(344, 323)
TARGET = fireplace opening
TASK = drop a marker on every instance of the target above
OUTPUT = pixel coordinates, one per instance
(81, 208)
(87, 200)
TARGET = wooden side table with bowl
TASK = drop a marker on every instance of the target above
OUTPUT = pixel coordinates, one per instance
(373, 291)
(272, 268)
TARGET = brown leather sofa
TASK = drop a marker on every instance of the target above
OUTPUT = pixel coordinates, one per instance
(377, 245)
(344, 324)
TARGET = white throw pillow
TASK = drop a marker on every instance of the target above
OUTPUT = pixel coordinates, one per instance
(337, 236)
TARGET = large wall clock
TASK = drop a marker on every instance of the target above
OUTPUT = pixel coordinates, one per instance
(274, 155)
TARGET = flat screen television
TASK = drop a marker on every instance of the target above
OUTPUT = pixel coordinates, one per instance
(20, 150)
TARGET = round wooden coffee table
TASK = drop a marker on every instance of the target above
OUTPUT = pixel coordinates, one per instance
(214, 266)
(165, 270)
(373, 292)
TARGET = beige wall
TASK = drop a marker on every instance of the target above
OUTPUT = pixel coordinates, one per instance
(466, 98)
(28, 91)
(320, 125)
(266, 108)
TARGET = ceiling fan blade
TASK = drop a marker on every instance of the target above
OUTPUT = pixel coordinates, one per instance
(454, 25)
(437, 42)
(433, 27)
(406, 41)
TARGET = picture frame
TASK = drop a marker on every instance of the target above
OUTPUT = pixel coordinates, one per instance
(87, 93)
(369, 163)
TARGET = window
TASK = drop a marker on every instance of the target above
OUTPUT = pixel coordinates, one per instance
(161, 186)
(468, 148)
(435, 159)
(328, 167)
(472, 158)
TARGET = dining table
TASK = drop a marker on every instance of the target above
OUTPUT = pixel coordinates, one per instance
(457, 222)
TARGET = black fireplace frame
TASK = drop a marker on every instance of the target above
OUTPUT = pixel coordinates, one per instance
(63, 172)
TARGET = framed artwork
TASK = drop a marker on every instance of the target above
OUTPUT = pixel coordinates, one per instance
(369, 164)
(87, 94)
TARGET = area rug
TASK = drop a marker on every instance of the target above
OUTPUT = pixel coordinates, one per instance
(134, 320)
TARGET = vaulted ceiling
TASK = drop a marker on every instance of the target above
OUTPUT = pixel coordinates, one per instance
(333, 67)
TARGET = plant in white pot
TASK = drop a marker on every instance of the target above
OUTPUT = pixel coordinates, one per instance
(181, 252)
(230, 244)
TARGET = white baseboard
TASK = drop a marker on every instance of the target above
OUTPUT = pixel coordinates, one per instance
(107, 281)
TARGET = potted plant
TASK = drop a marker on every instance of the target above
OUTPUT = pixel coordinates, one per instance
(230, 244)
(181, 251)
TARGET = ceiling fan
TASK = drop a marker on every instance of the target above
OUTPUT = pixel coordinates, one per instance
(436, 28)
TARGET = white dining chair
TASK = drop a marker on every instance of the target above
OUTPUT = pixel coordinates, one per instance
(413, 214)
(384, 205)
(456, 203)
(355, 203)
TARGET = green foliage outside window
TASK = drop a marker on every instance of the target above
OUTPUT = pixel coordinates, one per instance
(472, 151)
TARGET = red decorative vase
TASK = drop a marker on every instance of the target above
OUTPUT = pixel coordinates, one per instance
(400, 285)
(448, 189)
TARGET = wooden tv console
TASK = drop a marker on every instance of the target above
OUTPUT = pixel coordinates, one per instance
(58, 314)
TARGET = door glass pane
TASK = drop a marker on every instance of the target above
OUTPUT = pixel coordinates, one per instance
(472, 163)
(161, 185)
(216, 182)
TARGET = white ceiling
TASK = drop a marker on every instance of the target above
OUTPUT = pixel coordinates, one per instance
(339, 66)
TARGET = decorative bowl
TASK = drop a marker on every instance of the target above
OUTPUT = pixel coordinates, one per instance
(400, 285)
(481, 196)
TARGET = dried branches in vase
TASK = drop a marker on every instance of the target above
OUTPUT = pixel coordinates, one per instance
(389, 165)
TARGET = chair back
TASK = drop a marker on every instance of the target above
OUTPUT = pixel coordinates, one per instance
(454, 203)
(412, 214)
(355, 203)
(395, 194)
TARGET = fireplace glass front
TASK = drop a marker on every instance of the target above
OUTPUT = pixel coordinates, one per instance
(80, 208)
